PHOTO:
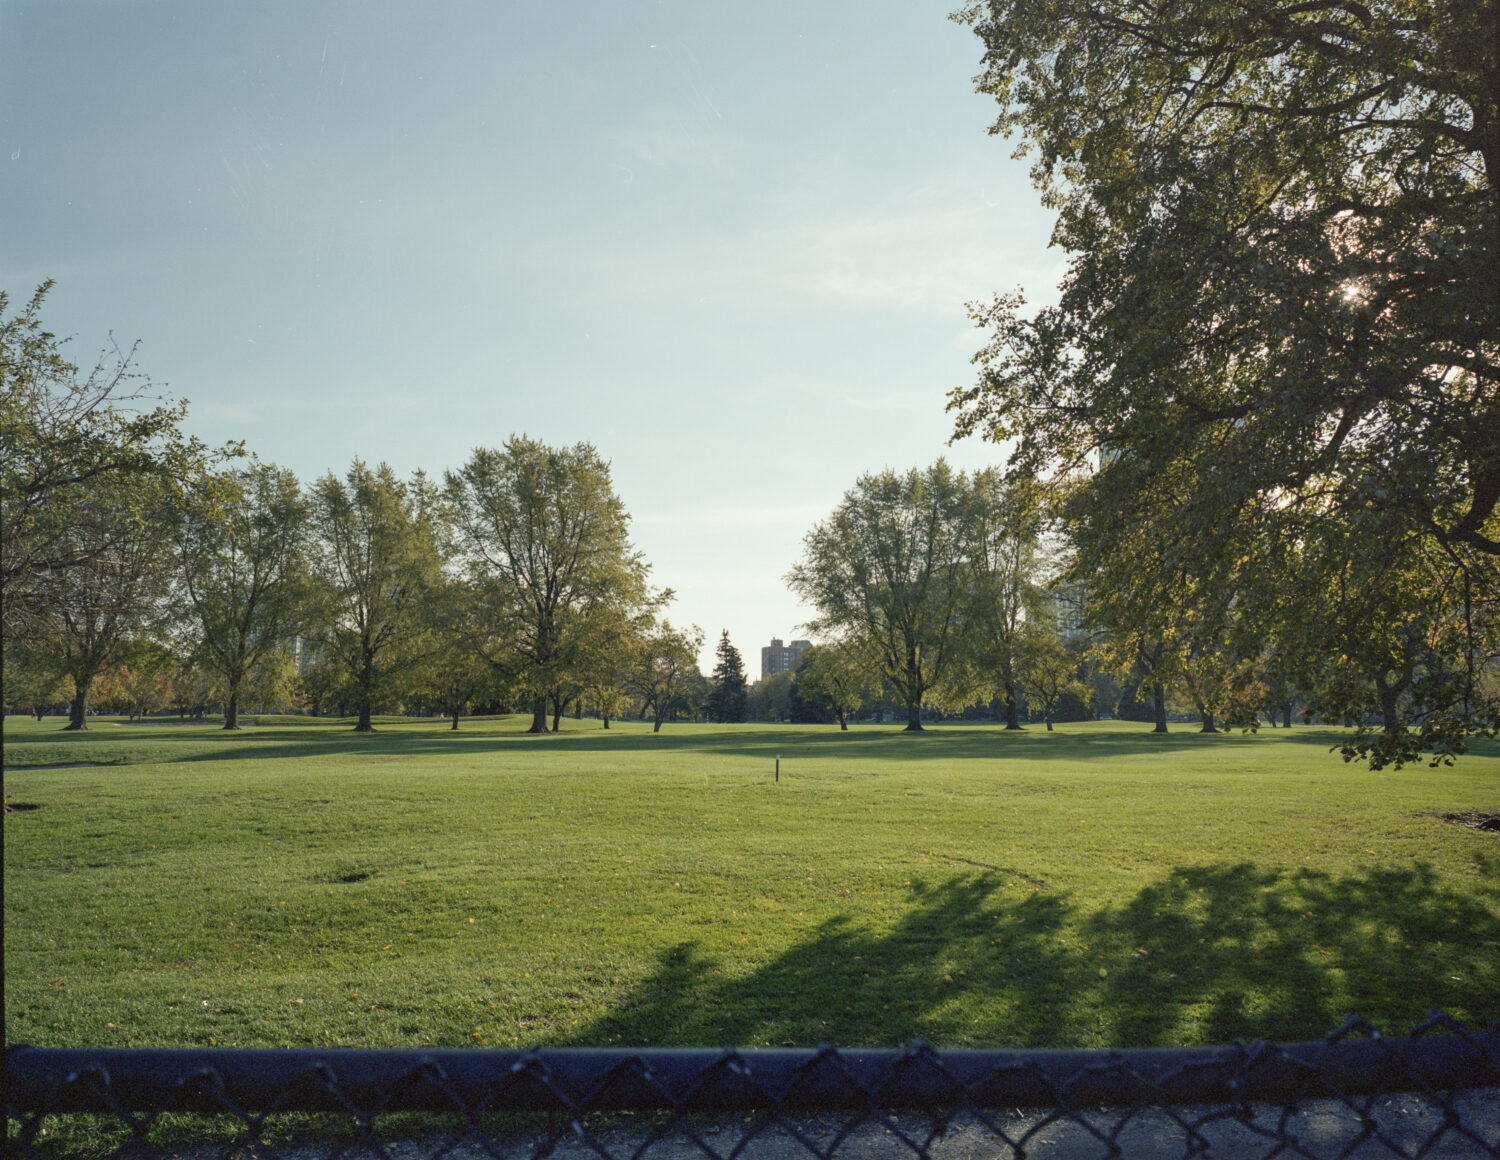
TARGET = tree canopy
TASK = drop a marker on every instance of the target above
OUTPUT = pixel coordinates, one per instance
(242, 562)
(544, 534)
(1277, 337)
(377, 559)
(886, 568)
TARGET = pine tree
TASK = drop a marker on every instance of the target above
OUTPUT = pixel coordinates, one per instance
(726, 702)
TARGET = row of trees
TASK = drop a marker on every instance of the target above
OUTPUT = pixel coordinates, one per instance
(942, 589)
(1267, 401)
(132, 552)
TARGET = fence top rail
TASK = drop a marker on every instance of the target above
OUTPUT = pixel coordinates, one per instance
(1439, 1056)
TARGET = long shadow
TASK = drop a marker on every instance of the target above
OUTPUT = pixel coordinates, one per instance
(1206, 955)
(761, 744)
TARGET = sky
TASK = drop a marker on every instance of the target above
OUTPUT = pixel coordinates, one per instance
(730, 245)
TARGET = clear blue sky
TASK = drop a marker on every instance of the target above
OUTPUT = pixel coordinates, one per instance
(730, 245)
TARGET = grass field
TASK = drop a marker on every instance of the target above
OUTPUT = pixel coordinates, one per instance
(1099, 886)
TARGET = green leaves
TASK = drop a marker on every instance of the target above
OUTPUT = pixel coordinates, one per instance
(242, 552)
(544, 537)
(378, 559)
(1276, 341)
(70, 444)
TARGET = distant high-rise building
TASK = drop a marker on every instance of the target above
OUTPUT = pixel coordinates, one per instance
(1068, 601)
(781, 658)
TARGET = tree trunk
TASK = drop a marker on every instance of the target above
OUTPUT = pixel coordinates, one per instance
(366, 683)
(40, 711)
(539, 715)
(1159, 704)
(1287, 718)
(1012, 714)
(456, 712)
(232, 708)
(1048, 719)
(558, 705)
(914, 716)
(606, 719)
(78, 711)
(1208, 724)
(656, 727)
(843, 725)
(1390, 699)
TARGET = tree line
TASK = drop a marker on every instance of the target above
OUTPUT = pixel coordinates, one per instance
(940, 592)
(142, 563)
(1256, 438)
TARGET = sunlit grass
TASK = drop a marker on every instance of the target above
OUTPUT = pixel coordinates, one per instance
(1096, 886)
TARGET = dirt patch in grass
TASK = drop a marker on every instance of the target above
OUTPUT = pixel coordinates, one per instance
(1475, 820)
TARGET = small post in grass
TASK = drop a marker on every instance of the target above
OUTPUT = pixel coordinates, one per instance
(778, 769)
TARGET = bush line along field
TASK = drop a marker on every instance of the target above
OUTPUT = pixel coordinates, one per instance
(1101, 886)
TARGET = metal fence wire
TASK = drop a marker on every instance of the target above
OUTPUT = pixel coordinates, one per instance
(1434, 1093)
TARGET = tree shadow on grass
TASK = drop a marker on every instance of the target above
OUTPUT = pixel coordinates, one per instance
(761, 744)
(1206, 955)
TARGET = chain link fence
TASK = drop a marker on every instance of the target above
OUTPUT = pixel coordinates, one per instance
(1434, 1093)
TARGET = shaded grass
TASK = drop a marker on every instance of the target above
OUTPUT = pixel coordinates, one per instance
(1098, 886)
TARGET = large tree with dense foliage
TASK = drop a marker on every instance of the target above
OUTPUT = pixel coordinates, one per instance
(887, 569)
(242, 567)
(546, 538)
(377, 560)
(1279, 326)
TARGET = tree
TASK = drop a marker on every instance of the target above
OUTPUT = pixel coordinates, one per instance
(546, 539)
(1004, 594)
(454, 671)
(242, 556)
(770, 698)
(1284, 291)
(320, 682)
(1050, 672)
(608, 651)
(68, 441)
(664, 671)
(886, 569)
(726, 700)
(113, 592)
(33, 679)
(377, 559)
(840, 673)
(144, 677)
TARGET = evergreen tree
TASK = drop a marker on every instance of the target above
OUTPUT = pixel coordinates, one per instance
(726, 702)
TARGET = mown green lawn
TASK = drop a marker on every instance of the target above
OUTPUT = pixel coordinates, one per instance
(1099, 886)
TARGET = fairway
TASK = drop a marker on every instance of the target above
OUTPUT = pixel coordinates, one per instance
(1098, 886)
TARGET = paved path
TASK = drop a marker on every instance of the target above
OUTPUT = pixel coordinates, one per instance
(1399, 1126)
